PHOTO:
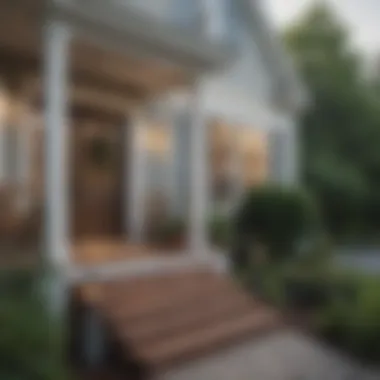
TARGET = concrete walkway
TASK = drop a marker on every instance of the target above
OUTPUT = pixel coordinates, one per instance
(285, 355)
(363, 260)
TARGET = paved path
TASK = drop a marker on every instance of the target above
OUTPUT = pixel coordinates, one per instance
(286, 355)
(366, 260)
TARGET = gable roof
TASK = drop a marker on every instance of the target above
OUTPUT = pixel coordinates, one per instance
(289, 89)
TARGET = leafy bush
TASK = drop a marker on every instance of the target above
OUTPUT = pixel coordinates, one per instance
(342, 194)
(220, 230)
(276, 218)
(169, 232)
(301, 283)
(353, 322)
(30, 348)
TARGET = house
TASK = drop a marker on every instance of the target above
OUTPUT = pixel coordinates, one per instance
(118, 117)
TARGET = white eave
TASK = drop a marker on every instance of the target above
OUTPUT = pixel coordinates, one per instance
(290, 89)
(125, 26)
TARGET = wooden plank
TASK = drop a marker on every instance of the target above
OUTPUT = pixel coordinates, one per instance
(90, 97)
(167, 320)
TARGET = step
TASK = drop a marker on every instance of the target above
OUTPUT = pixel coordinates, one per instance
(122, 288)
(207, 339)
(123, 291)
(162, 300)
(166, 320)
(196, 314)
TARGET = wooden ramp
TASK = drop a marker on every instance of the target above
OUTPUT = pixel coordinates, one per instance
(165, 321)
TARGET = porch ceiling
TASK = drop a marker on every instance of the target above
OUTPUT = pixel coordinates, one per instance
(132, 76)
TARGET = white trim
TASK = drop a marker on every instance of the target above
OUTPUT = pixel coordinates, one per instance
(277, 58)
(171, 166)
(181, 261)
(291, 153)
(3, 125)
(238, 172)
(137, 179)
(284, 153)
(127, 156)
(57, 38)
(24, 161)
(199, 184)
(123, 28)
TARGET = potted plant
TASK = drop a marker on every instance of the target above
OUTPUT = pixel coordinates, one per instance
(220, 231)
(170, 234)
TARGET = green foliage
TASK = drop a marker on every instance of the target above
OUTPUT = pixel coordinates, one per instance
(342, 193)
(168, 231)
(30, 348)
(354, 322)
(342, 307)
(276, 218)
(220, 233)
(341, 130)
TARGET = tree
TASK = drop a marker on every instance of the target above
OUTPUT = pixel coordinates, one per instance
(341, 130)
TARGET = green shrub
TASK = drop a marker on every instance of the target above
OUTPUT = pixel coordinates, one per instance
(220, 231)
(342, 194)
(353, 321)
(276, 218)
(30, 346)
(170, 231)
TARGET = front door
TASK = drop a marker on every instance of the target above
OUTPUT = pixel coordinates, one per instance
(98, 180)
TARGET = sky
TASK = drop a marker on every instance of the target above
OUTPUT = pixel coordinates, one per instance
(361, 16)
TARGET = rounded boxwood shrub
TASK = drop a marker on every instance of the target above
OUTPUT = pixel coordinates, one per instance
(277, 219)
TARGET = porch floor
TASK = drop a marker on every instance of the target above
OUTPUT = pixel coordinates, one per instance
(97, 252)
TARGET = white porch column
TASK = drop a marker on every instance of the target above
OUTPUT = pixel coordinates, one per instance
(171, 166)
(199, 177)
(24, 142)
(284, 153)
(136, 186)
(293, 154)
(3, 121)
(56, 52)
(237, 169)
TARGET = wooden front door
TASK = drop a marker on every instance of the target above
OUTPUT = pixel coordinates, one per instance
(98, 180)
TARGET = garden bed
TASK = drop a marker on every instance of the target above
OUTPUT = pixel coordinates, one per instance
(30, 347)
(341, 308)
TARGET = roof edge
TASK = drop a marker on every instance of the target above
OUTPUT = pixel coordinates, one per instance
(287, 79)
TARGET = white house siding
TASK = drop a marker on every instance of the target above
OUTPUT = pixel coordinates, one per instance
(283, 152)
(241, 92)
(241, 96)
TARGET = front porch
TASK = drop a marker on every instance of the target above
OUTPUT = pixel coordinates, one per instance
(73, 83)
